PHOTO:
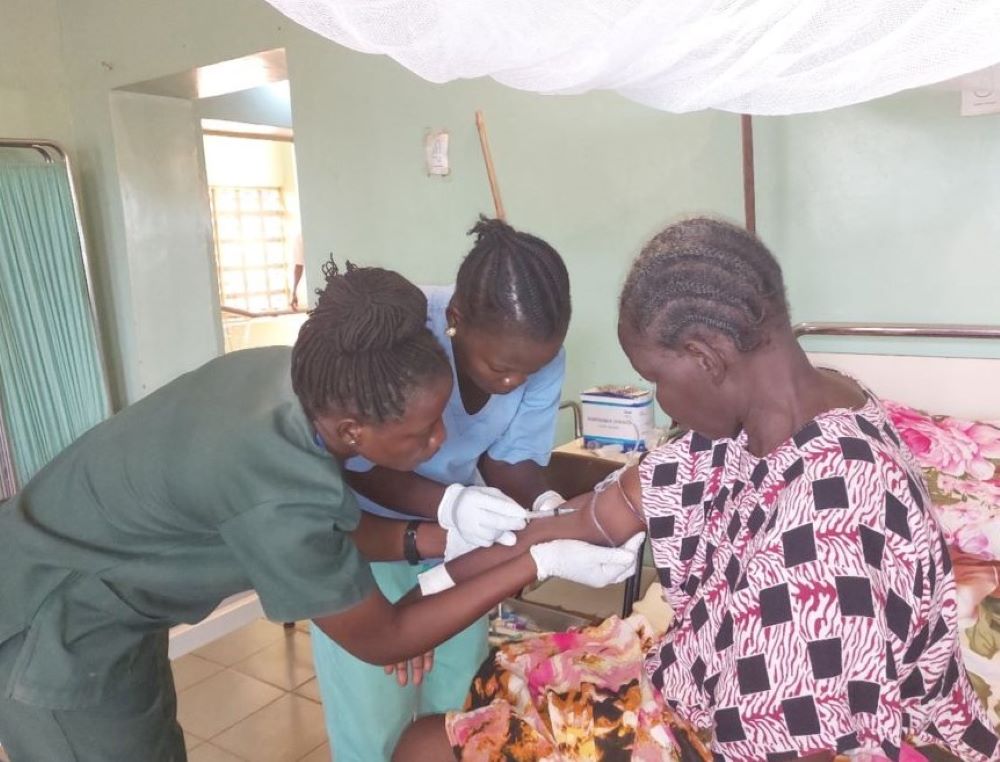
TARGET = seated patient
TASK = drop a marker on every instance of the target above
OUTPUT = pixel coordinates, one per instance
(814, 600)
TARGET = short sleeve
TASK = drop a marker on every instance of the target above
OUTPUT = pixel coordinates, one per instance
(300, 559)
(531, 433)
(671, 477)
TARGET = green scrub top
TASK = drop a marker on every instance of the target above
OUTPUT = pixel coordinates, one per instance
(208, 487)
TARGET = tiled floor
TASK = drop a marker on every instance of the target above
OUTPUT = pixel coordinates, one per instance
(252, 697)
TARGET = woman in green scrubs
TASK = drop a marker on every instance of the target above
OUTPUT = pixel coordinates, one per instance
(226, 479)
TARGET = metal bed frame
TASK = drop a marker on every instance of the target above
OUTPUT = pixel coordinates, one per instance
(900, 330)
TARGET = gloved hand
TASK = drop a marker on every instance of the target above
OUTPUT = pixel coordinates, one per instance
(592, 565)
(481, 515)
(547, 501)
(455, 545)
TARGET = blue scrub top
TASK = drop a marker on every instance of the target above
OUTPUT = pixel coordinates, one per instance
(512, 427)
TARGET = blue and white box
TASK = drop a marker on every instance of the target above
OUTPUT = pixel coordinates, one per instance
(617, 415)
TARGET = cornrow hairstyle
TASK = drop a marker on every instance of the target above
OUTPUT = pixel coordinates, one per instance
(704, 273)
(365, 347)
(515, 280)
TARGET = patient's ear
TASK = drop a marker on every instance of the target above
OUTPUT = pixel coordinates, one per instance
(349, 431)
(712, 355)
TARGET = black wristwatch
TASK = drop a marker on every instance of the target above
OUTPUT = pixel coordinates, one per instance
(410, 552)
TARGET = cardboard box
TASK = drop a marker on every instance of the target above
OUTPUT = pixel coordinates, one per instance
(617, 415)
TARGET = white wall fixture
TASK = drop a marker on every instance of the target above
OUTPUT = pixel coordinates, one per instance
(436, 152)
(981, 92)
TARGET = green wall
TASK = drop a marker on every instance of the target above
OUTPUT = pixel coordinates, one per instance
(881, 211)
(886, 211)
(32, 81)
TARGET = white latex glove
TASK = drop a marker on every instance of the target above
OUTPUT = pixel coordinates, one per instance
(547, 501)
(592, 565)
(455, 545)
(481, 515)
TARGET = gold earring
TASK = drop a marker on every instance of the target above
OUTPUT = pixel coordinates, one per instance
(451, 331)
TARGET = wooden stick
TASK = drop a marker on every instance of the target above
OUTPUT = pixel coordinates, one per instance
(749, 194)
(484, 143)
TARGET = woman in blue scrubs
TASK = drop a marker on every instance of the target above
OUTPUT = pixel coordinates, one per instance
(502, 326)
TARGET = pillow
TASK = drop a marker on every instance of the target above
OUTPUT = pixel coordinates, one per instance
(961, 464)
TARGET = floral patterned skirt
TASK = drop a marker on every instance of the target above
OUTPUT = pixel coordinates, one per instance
(578, 695)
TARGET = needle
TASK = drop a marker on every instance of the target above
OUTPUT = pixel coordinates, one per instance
(532, 515)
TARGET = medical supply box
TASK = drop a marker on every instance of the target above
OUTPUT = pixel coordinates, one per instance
(617, 416)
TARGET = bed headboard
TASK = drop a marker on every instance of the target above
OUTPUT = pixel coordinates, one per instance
(964, 387)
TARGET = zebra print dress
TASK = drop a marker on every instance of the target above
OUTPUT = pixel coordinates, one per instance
(813, 595)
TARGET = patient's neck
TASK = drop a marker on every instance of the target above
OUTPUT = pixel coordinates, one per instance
(785, 392)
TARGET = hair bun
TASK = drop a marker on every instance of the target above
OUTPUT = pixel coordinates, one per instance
(369, 309)
(492, 229)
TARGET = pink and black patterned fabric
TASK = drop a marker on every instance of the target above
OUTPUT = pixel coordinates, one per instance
(813, 595)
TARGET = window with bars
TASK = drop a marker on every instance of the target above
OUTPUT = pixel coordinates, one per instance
(251, 248)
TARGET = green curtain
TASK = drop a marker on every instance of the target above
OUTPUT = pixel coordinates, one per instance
(52, 384)
(8, 482)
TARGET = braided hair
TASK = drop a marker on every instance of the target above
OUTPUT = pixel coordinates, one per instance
(365, 347)
(706, 273)
(513, 279)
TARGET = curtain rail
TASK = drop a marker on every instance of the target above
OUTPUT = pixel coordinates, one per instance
(40, 146)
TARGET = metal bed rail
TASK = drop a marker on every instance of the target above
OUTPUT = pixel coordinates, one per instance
(900, 330)
(577, 416)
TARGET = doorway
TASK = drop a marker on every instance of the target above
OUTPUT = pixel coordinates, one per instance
(177, 276)
(257, 235)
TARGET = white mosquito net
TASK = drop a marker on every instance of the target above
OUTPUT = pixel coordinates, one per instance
(750, 56)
